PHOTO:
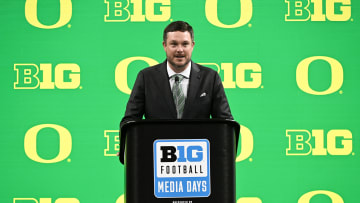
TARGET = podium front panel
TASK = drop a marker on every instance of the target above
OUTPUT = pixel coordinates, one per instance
(214, 172)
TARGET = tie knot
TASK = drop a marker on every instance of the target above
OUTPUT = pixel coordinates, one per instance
(178, 78)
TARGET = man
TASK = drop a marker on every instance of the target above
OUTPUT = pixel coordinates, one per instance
(177, 88)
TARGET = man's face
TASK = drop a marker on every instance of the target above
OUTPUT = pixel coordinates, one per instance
(178, 48)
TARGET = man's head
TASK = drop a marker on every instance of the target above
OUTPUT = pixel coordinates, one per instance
(178, 44)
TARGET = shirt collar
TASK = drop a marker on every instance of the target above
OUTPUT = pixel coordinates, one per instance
(185, 73)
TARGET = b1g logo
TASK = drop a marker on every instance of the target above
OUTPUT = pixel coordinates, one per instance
(182, 168)
(336, 10)
(112, 142)
(66, 76)
(45, 200)
(122, 11)
(338, 142)
(247, 75)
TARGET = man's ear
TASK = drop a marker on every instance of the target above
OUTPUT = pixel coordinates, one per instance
(164, 44)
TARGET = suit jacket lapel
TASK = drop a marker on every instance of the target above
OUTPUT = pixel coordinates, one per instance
(194, 84)
(166, 90)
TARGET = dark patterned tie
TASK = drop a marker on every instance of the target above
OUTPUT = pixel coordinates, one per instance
(178, 94)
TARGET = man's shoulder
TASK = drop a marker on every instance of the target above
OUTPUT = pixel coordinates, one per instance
(152, 69)
(204, 69)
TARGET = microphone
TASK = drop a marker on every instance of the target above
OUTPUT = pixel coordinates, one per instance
(176, 79)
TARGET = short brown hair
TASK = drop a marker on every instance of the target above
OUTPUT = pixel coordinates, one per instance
(178, 26)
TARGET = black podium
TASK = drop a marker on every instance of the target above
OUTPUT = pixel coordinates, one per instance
(179, 161)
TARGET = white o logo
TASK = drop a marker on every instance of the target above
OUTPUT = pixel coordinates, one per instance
(31, 14)
(302, 75)
(65, 143)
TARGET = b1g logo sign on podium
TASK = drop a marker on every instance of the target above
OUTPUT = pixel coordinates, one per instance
(182, 168)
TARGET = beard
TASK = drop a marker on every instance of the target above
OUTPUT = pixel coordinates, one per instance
(179, 66)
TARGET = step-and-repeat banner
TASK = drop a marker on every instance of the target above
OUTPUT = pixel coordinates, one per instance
(290, 69)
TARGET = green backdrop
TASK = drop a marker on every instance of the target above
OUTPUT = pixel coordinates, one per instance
(290, 70)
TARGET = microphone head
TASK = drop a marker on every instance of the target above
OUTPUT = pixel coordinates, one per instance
(176, 78)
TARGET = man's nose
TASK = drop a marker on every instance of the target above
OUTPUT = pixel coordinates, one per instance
(179, 49)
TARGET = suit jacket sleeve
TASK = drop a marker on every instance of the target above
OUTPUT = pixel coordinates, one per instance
(135, 107)
(220, 107)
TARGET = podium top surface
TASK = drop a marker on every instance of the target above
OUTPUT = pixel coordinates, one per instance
(179, 121)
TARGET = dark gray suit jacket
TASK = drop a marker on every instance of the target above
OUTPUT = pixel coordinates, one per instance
(151, 95)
